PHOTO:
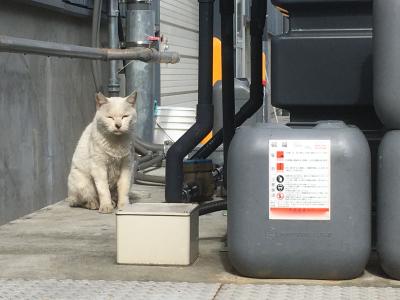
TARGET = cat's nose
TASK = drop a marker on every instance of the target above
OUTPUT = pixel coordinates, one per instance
(118, 125)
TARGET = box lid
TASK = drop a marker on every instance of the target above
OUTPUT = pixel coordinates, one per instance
(158, 209)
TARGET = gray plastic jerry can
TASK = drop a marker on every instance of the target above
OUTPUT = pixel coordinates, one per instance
(299, 201)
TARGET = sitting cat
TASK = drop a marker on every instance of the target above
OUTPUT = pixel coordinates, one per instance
(100, 175)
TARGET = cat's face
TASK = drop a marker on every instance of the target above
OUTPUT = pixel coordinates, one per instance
(116, 115)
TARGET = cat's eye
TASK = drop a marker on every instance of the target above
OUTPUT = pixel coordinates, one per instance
(125, 116)
(109, 117)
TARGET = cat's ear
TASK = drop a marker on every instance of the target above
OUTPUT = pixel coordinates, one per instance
(100, 100)
(131, 99)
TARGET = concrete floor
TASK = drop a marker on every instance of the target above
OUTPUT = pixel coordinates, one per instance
(59, 242)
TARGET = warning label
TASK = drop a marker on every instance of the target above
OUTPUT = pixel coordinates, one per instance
(299, 179)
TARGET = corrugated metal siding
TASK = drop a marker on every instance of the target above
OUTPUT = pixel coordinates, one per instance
(179, 23)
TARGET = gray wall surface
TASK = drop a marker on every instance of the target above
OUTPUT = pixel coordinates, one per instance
(45, 103)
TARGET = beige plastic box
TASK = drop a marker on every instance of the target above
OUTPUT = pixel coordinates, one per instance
(158, 234)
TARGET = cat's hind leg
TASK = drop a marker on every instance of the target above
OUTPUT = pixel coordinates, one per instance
(89, 195)
(73, 201)
(82, 191)
(86, 203)
(92, 204)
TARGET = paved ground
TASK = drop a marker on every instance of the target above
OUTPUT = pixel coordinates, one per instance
(59, 242)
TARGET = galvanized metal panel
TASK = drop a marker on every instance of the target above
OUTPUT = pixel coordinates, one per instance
(183, 3)
(173, 16)
(179, 24)
(184, 100)
(177, 88)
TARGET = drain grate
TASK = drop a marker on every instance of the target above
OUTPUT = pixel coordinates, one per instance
(302, 292)
(100, 289)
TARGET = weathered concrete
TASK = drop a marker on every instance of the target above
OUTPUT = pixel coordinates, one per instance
(44, 105)
(73, 243)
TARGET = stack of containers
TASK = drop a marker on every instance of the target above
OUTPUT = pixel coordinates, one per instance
(387, 105)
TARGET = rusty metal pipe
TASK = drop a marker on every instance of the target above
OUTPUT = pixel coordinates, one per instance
(28, 46)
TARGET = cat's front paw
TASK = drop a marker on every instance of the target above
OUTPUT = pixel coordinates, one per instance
(122, 202)
(106, 208)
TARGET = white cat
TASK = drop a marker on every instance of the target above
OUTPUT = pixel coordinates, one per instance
(101, 169)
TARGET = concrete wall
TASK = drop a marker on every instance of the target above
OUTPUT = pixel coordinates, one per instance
(45, 103)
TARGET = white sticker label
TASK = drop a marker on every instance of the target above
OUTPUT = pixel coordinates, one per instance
(299, 179)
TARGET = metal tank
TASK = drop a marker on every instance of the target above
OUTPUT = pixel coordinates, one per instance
(388, 204)
(299, 201)
(242, 95)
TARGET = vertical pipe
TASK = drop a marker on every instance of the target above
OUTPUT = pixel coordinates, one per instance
(157, 67)
(204, 118)
(113, 85)
(139, 75)
(228, 94)
(96, 20)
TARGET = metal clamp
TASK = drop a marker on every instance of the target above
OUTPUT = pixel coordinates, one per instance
(113, 13)
(138, 1)
(144, 44)
(113, 8)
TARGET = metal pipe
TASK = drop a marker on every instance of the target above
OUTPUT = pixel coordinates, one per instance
(28, 46)
(204, 118)
(157, 67)
(113, 39)
(226, 9)
(139, 76)
(258, 16)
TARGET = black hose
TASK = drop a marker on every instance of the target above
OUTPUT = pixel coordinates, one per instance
(141, 150)
(96, 21)
(121, 32)
(258, 15)
(156, 160)
(150, 178)
(144, 158)
(226, 9)
(204, 117)
(213, 206)
(149, 146)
